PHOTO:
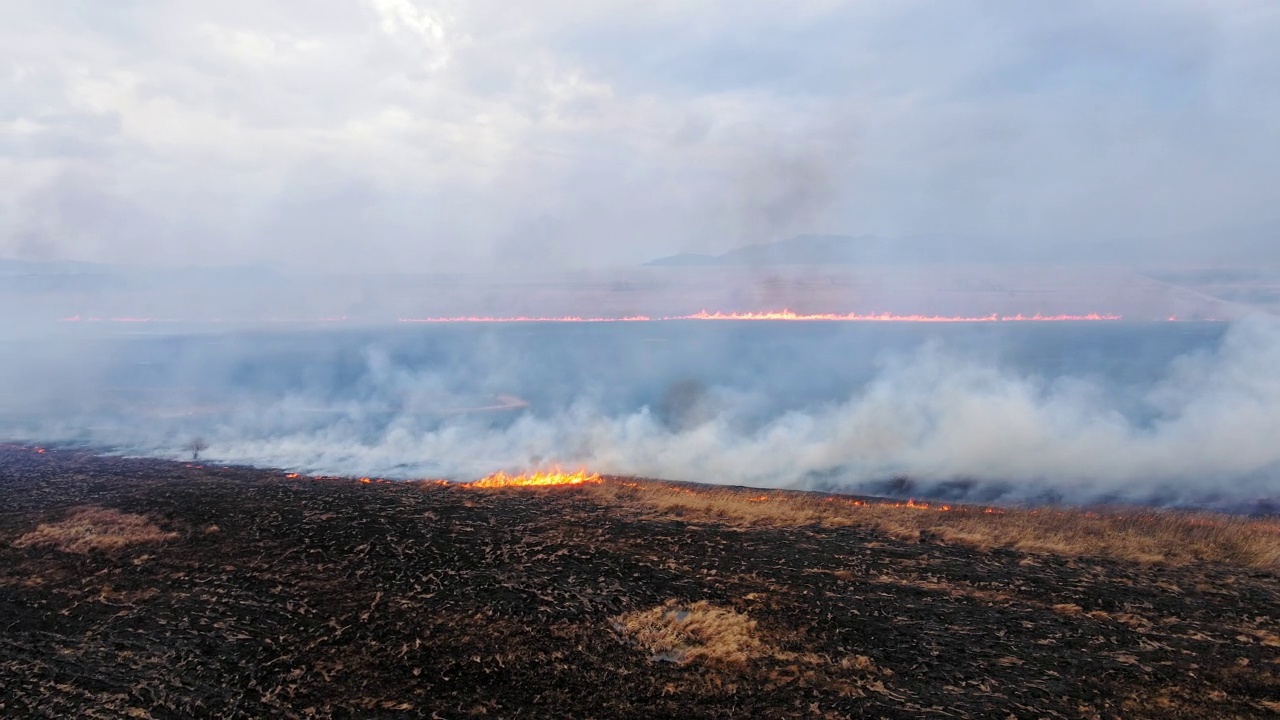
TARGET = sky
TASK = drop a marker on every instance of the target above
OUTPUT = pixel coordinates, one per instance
(434, 135)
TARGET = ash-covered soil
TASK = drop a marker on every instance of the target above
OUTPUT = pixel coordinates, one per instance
(295, 597)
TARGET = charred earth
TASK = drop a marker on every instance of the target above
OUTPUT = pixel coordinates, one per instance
(146, 588)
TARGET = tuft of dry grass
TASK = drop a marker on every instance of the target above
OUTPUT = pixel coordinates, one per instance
(1149, 536)
(730, 642)
(89, 529)
(699, 632)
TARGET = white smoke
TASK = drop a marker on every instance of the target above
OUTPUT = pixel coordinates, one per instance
(1209, 429)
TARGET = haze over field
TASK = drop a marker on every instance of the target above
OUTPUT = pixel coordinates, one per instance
(229, 222)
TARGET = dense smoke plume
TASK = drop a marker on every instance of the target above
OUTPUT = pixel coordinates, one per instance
(923, 413)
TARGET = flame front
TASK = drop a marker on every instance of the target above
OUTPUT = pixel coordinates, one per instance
(890, 317)
(537, 479)
(778, 315)
(768, 315)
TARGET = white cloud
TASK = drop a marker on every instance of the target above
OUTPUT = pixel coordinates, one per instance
(256, 48)
(429, 27)
(635, 130)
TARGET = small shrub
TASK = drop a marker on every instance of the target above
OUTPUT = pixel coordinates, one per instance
(195, 447)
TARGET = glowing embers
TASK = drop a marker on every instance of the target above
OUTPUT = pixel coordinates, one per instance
(537, 479)
(912, 504)
(767, 315)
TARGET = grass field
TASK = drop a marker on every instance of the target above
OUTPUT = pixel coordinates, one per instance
(1143, 535)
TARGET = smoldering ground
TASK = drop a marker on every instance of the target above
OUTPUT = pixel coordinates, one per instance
(1163, 413)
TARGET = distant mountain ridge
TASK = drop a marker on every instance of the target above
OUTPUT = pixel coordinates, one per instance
(1245, 244)
(53, 267)
(686, 260)
(861, 250)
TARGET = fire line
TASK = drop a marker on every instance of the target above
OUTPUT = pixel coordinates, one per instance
(702, 315)
(537, 479)
(778, 315)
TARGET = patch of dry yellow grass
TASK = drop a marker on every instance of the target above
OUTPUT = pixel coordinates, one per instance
(699, 632)
(94, 528)
(1137, 535)
(728, 642)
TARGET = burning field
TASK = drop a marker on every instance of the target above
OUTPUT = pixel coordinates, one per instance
(147, 588)
(1008, 410)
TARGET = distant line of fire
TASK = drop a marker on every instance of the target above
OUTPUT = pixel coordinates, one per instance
(773, 316)
(779, 315)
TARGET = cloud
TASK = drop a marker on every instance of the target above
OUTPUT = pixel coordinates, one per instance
(428, 26)
(635, 130)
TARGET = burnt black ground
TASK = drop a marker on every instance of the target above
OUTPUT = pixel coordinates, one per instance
(333, 598)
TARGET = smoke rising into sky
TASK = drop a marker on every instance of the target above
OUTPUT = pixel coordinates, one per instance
(440, 135)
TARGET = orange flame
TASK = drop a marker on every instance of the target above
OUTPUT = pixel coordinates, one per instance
(769, 315)
(537, 479)
(892, 317)
(777, 315)
(912, 504)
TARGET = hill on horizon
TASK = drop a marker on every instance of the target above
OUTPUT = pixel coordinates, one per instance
(816, 249)
(1248, 245)
(799, 250)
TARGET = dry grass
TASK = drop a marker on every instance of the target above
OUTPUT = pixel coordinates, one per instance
(700, 632)
(91, 529)
(1135, 535)
(728, 642)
